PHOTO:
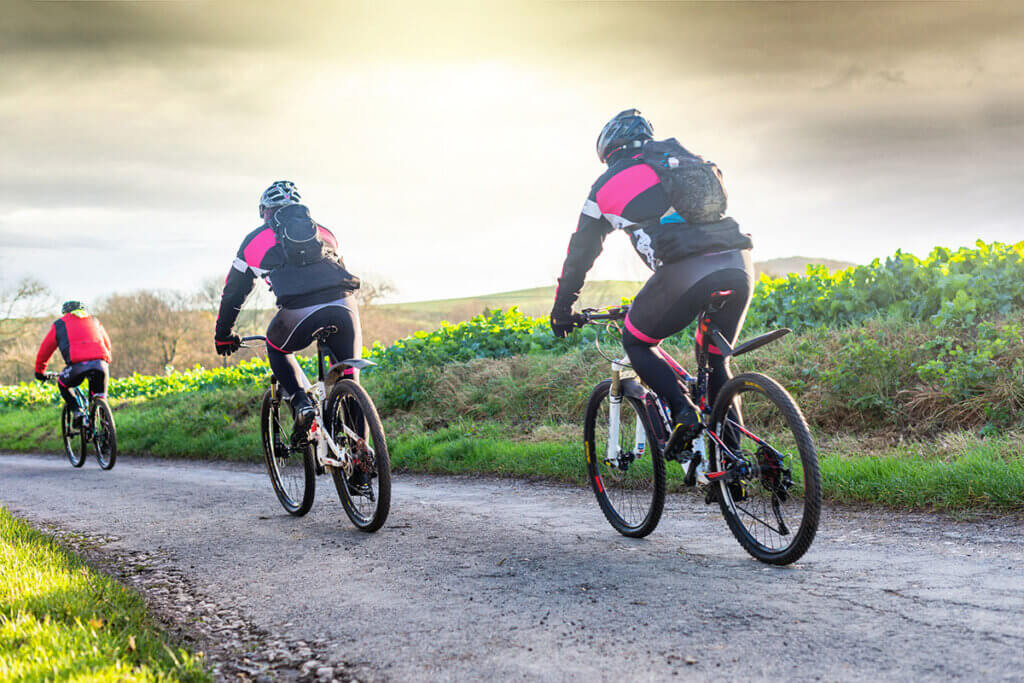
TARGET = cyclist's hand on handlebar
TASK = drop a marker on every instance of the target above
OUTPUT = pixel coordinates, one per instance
(564, 320)
(228, 345)
(44, 376)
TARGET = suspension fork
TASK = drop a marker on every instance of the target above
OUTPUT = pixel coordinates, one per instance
(615, 413)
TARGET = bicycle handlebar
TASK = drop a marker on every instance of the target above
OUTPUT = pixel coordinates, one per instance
(252, 338)
(591, 315)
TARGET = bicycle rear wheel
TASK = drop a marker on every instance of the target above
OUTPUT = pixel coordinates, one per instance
(366, 495)
(773, 502)
(73, 439)
(291, 469)
(629, 484)
(104, 439)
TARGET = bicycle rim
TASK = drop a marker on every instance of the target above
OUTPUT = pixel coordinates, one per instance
(773, 505)
(290, 468)
(629, 484)
(366, 495)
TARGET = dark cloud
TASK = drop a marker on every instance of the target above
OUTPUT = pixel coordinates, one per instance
(908, 109)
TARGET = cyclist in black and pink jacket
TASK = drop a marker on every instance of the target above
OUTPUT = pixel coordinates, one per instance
(630, 197)
(311, 294)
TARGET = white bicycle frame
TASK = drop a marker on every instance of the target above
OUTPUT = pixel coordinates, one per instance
(328, 453)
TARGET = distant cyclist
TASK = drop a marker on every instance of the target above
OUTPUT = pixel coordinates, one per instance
(300, 260)
(688, 265)
(85, 347)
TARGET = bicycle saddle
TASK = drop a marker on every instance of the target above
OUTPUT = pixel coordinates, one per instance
(719, 299)
(321, 334)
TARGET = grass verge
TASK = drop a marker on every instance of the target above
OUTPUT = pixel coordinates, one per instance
(61, 620)
(950, 471)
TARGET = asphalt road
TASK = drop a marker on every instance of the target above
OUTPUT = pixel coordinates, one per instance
(499, 579)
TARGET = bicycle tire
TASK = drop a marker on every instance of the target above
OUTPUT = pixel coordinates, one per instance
(637, 526)
(104, 434)
(345, 395)
(296, 490)
(809, 475)
(68, 433)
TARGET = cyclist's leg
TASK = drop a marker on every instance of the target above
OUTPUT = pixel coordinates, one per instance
(282, 341)
(98, 374)
(70, 377)
(347, 342)
(669, 302)
(292, 330)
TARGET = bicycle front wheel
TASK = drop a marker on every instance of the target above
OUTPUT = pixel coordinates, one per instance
(74, 439)
(291, 468)
(354, 424)
(104, 437)
(627, 472)
(768, 484)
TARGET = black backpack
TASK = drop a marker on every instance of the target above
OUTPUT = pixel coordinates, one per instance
(298, 234)
(694, 186)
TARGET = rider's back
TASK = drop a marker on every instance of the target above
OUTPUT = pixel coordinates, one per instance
(79, 336)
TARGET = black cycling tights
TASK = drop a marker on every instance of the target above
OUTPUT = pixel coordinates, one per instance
(96, 371)
(288, 333)
(674, 312)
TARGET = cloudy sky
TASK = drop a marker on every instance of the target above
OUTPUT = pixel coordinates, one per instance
(450, 146)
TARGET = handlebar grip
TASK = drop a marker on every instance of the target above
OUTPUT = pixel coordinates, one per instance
(255, 337)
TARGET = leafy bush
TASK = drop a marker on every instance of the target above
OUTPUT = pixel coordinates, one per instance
(958, 356)
(955, 288)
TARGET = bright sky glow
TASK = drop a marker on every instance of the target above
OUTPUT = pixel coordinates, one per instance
(450, 147)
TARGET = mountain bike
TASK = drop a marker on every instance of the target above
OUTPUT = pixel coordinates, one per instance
(753, 454)
(346, 438)
(97, 428)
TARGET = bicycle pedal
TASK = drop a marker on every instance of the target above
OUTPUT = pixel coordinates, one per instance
(681, 457)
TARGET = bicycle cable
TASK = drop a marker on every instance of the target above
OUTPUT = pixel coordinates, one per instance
(600, 351)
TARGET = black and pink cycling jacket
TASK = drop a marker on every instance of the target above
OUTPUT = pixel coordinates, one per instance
(628, 196)
(257, 257)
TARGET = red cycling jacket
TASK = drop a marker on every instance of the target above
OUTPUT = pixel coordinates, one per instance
(79, 336)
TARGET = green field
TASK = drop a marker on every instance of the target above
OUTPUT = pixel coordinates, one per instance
(60, 620)
(910, 373)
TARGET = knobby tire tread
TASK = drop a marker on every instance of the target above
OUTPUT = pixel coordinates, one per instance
(309, 491)
(809, 460)
(373, 422)
(103, 416)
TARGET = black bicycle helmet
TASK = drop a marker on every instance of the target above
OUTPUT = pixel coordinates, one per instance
(281, 193)
(627, 128)
(70, 306)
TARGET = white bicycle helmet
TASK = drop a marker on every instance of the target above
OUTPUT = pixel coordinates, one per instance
(281, 193)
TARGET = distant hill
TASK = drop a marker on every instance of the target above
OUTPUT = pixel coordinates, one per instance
(534, 301)
(780, 267)
(387, 322)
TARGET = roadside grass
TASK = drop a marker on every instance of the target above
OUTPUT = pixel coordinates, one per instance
(984, 474)
(60, 620)
(521, 417)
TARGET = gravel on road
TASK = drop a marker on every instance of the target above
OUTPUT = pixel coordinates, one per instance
(510, 580)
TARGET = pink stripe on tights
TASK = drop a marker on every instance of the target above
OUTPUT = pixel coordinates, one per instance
(638, 334)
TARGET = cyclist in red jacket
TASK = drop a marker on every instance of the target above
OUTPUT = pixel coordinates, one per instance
(85, 346)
